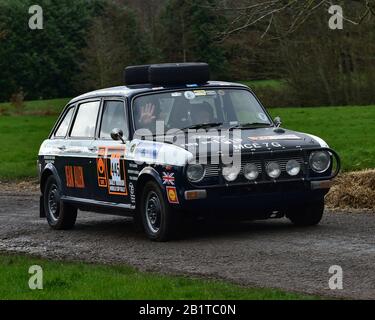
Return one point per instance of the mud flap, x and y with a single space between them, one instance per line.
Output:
42 213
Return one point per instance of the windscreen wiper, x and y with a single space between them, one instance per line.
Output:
251 125
204 126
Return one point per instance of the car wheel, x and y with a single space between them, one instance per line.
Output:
60 216
309 215
159 222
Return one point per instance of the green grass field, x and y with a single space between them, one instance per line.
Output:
20 139
349 130
38 107
274 84
78 281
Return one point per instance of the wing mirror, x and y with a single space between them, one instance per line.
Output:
278 122
117 135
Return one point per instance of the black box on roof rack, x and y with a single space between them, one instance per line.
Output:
136 75
168 74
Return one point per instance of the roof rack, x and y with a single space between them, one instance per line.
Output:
167 74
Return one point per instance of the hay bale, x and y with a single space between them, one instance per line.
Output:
353 190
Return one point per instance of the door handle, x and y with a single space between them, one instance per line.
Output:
93 149
62 148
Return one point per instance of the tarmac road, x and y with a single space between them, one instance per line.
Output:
258 254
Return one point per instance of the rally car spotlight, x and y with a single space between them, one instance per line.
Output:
251 172
320 161
273 170
231 173
195 172
293 168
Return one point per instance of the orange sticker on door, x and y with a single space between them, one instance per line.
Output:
101 165
69 177
79 180
74 177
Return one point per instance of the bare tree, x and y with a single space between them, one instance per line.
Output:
263 13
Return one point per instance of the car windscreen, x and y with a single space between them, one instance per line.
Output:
188 108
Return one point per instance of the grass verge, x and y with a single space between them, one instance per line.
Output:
78 281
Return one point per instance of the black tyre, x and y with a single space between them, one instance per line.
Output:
159 222
309 215
60 216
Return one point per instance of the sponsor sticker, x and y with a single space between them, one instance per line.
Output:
190 95
177 94
132 192
147 151
200 93
172 195
211 93
274 138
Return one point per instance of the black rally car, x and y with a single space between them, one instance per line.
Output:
172 144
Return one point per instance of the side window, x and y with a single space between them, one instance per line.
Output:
64 125
85 122
113 117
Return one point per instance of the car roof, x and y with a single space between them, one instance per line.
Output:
128 91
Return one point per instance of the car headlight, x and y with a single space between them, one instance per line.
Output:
273 170
195 172
293 168
320 161
231 173
251 172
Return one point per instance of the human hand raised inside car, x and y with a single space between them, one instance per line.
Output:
147 114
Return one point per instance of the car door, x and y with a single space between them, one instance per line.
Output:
79 153
112 183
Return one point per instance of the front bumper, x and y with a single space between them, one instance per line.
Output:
256 198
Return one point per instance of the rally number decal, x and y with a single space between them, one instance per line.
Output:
111 171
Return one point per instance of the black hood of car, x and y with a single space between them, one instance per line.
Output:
249 141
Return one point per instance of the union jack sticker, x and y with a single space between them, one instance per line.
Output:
168 179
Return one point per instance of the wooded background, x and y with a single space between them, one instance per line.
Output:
85 44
